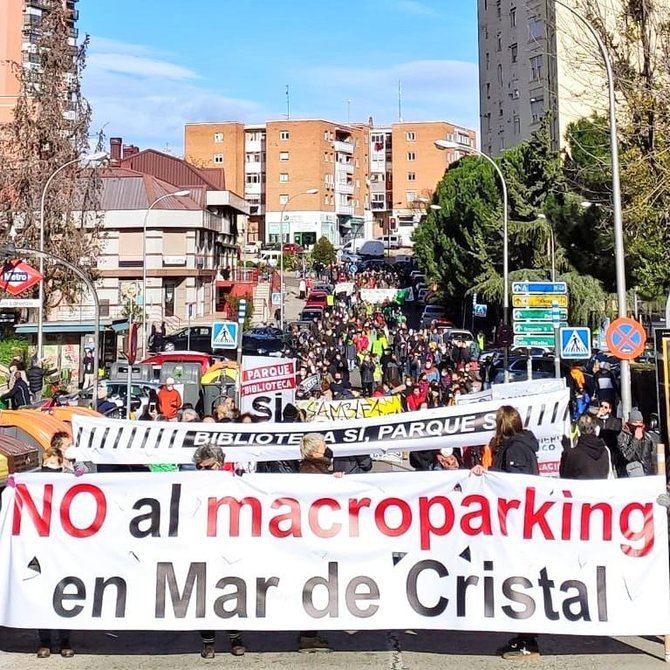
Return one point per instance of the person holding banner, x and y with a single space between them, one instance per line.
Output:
208 457
514 451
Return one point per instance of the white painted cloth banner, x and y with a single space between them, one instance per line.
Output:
440 550
268 384
380 295
346 287
323 410
101 440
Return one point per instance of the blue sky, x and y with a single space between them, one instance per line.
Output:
156 64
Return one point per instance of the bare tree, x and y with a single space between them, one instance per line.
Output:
50 127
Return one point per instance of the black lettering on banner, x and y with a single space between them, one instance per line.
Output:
352 596
153 516
99 592
238 596
59 597
546 585
411 588
197 572
581 599
331 584
262 586
462 584
517 597
175 497
601 580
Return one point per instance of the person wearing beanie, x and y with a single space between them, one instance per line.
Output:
636 448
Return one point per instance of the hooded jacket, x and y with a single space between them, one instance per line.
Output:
590 459
517 454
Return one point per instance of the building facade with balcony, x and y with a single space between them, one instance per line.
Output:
191 241
20 22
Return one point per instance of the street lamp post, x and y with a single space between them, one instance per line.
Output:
626 396
85 161
445 145
8 250
177 194
309 191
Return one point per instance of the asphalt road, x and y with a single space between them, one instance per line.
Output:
404 650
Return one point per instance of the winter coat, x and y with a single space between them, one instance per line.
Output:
367 372
517 454
590 459
351 465
18 395
632 449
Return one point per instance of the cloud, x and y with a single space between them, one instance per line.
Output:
143 95
414 7
432 90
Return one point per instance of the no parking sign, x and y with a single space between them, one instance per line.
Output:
626 338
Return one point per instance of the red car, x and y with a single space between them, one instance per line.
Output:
317 299
291 248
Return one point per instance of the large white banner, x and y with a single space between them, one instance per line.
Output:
440 550
101 440
268 385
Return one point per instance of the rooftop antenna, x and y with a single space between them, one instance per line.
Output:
399 101
288 103
348 111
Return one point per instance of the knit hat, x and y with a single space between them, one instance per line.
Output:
635 416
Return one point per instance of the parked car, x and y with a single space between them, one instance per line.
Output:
195 338
372 249
317 299
543 368
311 313
263 342
464 335
431 313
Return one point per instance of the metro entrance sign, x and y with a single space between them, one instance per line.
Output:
18 277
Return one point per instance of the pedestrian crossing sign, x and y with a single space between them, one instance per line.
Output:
224 335
575 343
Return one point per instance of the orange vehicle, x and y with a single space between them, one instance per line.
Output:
65 413
16 457
31 426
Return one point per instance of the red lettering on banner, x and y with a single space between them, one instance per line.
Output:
313 517
647 532
268 372
42 522
536 517
483 515
292 516
100 510
426 527
355 507
380 516
606 511
235 506
504 506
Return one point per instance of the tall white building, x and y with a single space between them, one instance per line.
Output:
534 58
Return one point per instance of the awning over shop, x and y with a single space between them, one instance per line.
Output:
67 327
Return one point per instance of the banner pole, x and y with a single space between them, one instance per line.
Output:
660 470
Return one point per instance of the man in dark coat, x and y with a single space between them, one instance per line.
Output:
590 458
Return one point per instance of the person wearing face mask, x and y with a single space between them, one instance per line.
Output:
169 400
636 447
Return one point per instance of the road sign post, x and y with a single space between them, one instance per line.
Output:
241 316
556 320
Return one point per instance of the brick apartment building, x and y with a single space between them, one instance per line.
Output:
369 178
19 30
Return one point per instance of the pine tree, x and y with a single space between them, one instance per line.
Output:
50 127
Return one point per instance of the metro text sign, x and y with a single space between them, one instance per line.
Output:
18 277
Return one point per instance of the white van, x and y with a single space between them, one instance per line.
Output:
391 241
352 246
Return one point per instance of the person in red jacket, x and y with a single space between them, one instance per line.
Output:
415 399
169 400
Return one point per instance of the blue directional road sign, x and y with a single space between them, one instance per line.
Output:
527 287
575 343
224 335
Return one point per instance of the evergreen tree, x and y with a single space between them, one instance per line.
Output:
324 252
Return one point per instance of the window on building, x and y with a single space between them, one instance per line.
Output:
283 199
500 75
253 178
410 136
486 5
283 177
411 156
283 155
514 51
536 109
536 28
488 90
512 17
253 157
502 143
411 176
218 158
500 109
377 139
104 307
517 125
488 122
536 68
411 196
498 9
218 137
284 135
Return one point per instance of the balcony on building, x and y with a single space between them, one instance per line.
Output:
343 146
378 205
344 166
344 210
254 167
344 187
